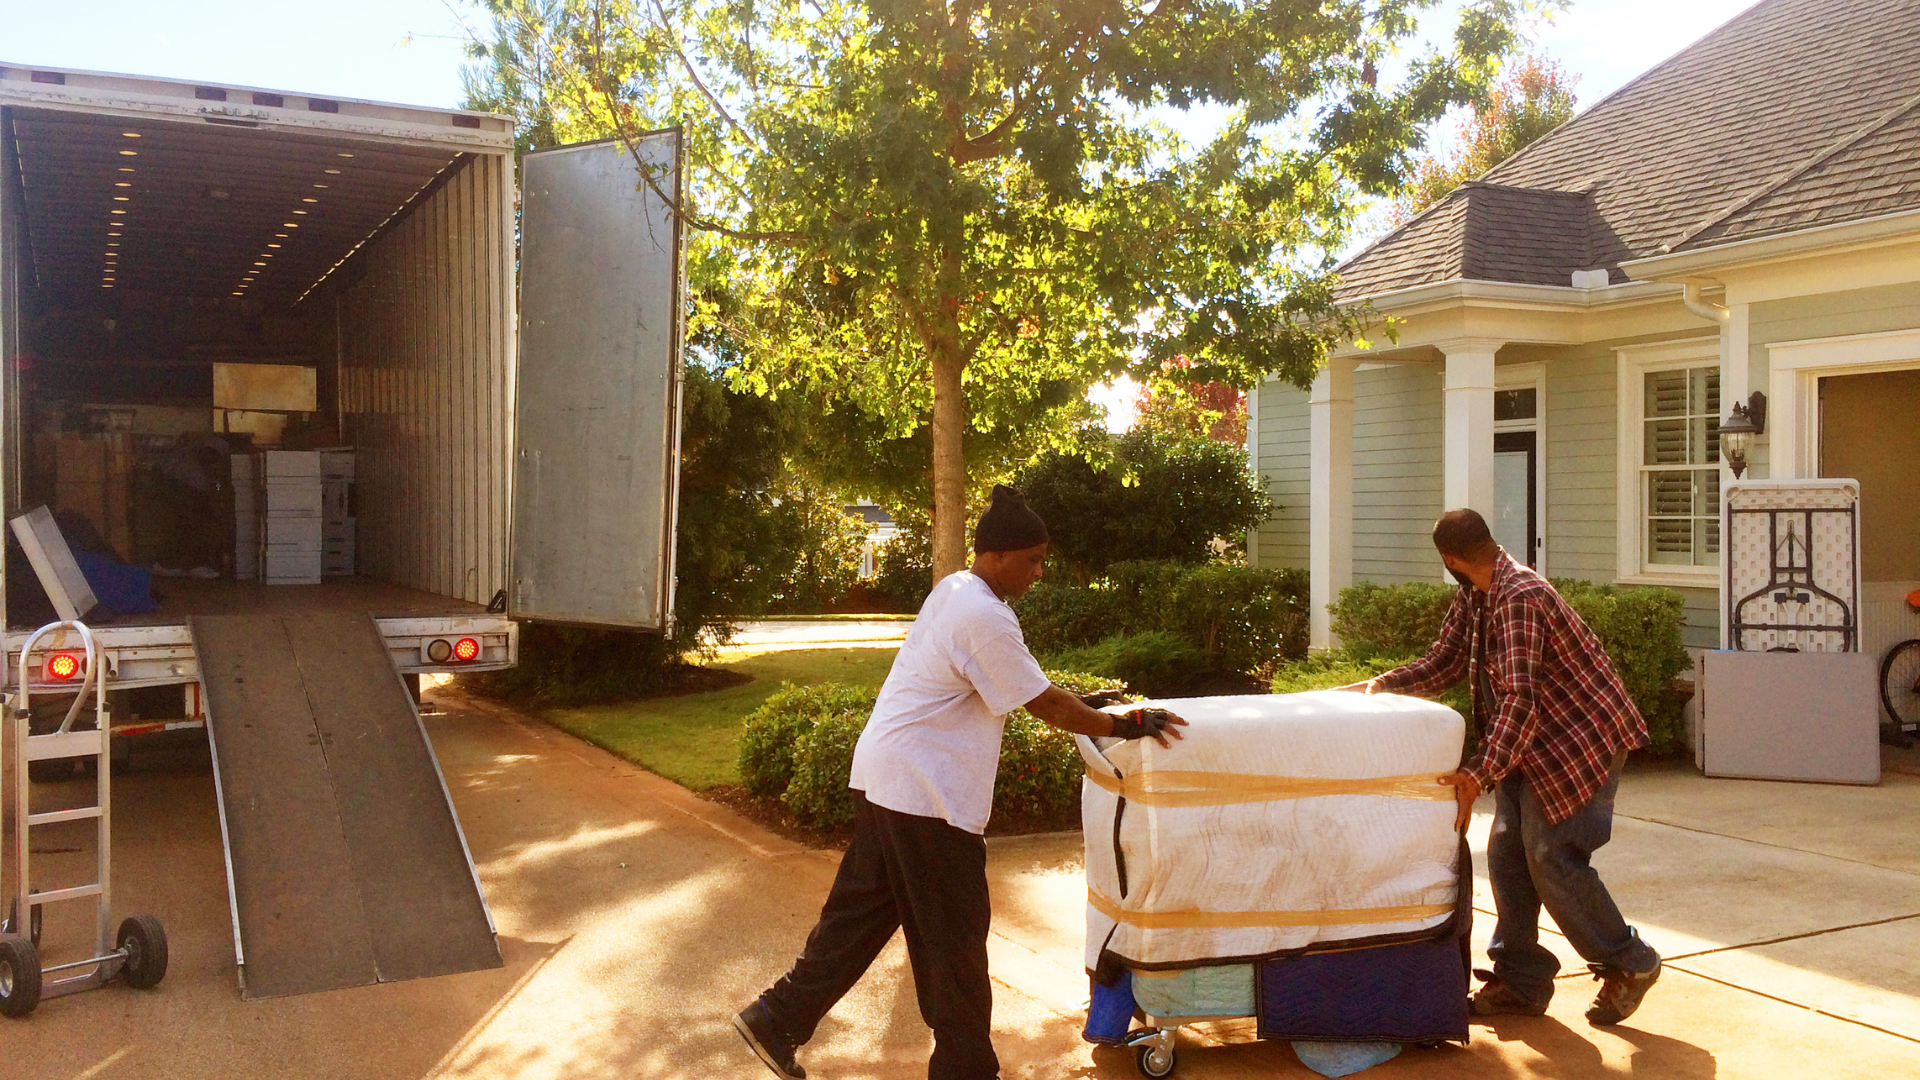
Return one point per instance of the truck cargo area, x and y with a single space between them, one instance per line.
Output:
201 290
262 357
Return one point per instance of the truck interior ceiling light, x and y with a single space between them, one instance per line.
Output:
289 224
307 199
126 168
466 649
343 153
299 211
273 245
123 183
131 134
438 650
123 198
62 666
129 153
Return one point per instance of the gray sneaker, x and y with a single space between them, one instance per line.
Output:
1621 992
755 1025
1495 998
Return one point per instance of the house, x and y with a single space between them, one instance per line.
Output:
1574 327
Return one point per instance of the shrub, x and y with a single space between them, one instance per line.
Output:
799 747
1156 662
1640 628
1236 618
1336 668
1390 620
1149 494
772 733
822 762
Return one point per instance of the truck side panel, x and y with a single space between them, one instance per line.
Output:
424 313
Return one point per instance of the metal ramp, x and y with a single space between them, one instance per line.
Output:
345 863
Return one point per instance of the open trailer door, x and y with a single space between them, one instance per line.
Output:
597 440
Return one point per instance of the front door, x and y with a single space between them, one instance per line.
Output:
1516 517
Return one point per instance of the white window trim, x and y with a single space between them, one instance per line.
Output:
1795 369
1519 377
1635 361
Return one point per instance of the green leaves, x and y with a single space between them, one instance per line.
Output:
1017 189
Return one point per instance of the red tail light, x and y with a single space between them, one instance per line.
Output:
62 666
466 650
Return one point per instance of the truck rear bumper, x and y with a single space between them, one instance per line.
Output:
162 655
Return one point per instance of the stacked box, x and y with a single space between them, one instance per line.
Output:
246 520
336 513
289 500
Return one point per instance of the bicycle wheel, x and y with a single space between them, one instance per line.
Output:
1900 684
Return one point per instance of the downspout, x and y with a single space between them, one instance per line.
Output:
1691 295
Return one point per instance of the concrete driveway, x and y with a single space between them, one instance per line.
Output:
635 917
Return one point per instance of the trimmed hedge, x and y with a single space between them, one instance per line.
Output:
1231 618
1150 661
798 747
1639 627
1336 668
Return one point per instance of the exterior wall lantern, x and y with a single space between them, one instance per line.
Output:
1737 431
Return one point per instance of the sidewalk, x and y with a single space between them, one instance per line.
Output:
636 917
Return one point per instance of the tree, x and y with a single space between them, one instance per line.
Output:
1148 494
1532 98
1174 405
950 213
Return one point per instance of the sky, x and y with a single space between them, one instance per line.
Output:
409 51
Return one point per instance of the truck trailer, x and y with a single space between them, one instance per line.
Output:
221 283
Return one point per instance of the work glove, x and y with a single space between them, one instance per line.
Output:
1140 724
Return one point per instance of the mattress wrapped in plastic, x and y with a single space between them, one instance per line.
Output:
1279 824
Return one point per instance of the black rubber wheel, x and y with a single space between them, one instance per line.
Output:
19 975
1155 1064
1900 684
145 942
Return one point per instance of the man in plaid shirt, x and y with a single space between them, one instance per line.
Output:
1555 727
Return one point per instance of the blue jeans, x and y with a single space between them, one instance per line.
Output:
1533 863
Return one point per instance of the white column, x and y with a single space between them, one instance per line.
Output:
1253 463
1330 501
1469 425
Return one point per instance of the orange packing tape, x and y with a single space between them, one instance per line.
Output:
1174 787
1240 920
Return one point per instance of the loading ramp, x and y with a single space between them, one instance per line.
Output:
346 864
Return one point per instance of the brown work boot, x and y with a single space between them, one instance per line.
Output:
1621 992
1495 998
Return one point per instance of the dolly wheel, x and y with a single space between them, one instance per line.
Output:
144 941
1155 1062
19 975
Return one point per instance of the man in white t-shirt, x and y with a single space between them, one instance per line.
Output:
923 776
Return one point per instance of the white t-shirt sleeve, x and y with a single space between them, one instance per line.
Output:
1004 673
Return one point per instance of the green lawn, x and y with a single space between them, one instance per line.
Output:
690 739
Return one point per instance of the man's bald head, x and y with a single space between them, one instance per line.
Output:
1463 534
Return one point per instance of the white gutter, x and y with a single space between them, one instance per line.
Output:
1514 294
1888 228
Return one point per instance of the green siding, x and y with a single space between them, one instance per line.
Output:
1398 482
1283 428
1582 413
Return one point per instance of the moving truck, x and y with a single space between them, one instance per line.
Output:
187 265
248 337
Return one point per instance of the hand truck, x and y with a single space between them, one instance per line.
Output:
139 951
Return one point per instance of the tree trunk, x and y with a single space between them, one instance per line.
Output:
949 460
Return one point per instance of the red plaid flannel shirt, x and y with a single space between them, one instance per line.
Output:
1558 714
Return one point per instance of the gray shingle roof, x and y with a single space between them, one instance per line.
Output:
1795 113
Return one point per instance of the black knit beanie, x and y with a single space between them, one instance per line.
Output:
1009 524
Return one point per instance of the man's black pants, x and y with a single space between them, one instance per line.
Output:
922 875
